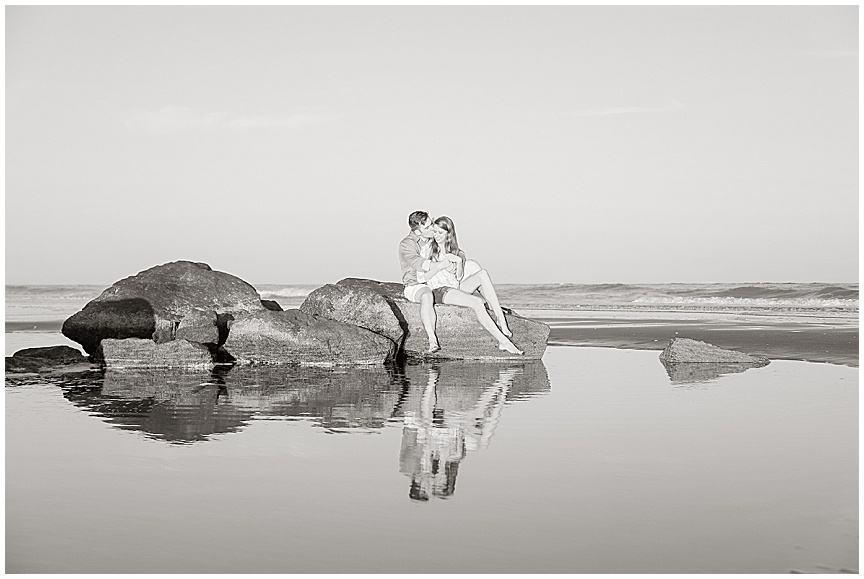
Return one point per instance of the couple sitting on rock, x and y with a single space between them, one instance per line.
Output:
435 271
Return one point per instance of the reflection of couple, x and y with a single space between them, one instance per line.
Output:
435 271
433 444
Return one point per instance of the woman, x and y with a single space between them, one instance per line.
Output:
456 286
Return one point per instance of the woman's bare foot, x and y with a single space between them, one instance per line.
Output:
502 323
433 347
509 347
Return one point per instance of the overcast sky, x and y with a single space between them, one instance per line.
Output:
582 144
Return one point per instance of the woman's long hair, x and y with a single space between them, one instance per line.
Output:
451 245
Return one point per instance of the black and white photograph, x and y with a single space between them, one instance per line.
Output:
431 289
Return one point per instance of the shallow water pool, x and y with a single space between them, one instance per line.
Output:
593 461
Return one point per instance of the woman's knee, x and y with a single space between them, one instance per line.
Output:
425 297
471 267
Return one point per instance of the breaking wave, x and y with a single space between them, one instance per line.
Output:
291 291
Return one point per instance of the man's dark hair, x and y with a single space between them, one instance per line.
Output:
417 219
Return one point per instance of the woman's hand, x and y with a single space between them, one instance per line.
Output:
438 266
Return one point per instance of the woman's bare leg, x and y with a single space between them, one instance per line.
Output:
428 318
471 267
481 280
457 297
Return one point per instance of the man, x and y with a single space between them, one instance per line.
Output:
416 267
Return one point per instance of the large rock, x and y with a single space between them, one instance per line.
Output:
295 337
358 305
357 301
151 304
685 350
49 359
144 353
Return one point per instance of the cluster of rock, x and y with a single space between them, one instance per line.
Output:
184 314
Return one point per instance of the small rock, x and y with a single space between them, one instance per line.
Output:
200 327
685 350
42 359
143 353
271 305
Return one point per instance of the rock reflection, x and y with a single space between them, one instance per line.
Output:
177 407
338 400
453 409
189 407
683 373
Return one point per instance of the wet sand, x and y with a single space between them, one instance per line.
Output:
790 337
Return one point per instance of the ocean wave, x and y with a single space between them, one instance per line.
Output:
287 292
790 291
755 294
838 292
750 301
54 292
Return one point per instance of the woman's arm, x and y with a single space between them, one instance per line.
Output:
434 268
459 260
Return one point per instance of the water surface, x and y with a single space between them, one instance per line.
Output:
594 460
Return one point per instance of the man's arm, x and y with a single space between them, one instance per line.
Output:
410 254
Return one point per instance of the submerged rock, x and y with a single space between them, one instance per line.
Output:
295 337
685 350
359 301
152 303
